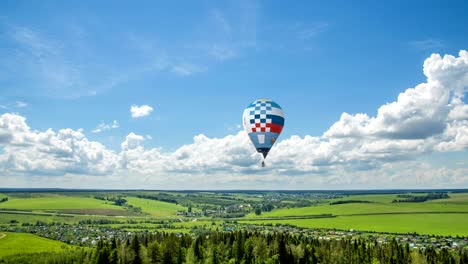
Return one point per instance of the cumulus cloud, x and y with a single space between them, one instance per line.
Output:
140 111
26 151
132 141
420 112
358 150
103 126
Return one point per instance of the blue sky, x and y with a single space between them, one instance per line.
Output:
79 64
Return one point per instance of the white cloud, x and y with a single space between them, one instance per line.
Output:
186 69
140 111
21 104
383 151
26 151
420 112
132 141
103 126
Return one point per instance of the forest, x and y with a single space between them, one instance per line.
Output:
242 247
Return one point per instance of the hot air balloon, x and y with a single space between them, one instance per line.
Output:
263 121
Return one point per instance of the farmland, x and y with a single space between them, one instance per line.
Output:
379 205
53 202
430 224
156 208
81 219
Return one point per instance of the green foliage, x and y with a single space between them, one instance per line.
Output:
242 247
420 198
349 201
83 256
258 211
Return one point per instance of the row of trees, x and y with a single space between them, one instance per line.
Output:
158 198
243 247
117 200
420 198
349 201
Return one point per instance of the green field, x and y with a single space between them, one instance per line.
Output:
56 203
458 203
20 243
28 218
156 208
431 224
64 204
377 198
439 217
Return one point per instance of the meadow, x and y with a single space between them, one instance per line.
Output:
156 208
20 243
435 217
366 212
86 204
428 224
56 202
380 204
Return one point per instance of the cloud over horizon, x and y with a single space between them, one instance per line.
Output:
357 150
140 111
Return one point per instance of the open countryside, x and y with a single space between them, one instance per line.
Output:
21 243
234 132
68 220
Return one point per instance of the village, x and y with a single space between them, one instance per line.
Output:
89 234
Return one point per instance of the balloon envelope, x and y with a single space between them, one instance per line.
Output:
263 120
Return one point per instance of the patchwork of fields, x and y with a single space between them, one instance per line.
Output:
85 205
430 224
435 217
150 211
457 203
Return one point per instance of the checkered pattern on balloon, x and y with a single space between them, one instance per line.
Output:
263 120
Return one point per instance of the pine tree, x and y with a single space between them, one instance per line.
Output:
248 248
154 252
135 248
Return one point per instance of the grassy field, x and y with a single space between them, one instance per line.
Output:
376 198
382 204
56 203
455 198
441 217
6 218
248 197
438 217
27 218
65 204
20 243
156 208
436 224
